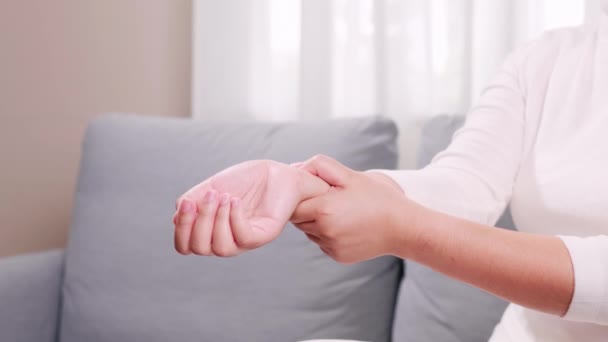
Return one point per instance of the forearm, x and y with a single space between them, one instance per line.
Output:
534 271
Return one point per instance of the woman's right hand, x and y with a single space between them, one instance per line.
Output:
241 208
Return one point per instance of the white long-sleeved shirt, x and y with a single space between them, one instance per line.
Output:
538 139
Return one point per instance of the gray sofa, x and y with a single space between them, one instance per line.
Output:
119 278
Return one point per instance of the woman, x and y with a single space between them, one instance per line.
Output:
537 139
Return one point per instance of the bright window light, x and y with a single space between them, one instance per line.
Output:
560 13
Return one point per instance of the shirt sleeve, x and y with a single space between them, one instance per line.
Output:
474 177
589 257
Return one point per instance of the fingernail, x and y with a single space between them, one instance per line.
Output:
187 206
210 196
225 199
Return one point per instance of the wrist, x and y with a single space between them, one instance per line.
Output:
412 229
381 177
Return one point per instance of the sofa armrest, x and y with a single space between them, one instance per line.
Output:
30 287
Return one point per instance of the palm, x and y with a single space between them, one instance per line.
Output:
268 190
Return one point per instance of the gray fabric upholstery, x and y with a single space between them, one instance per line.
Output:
29 296
124 281
431 306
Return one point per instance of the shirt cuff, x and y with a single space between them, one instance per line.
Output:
590 264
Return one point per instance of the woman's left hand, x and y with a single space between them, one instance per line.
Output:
365 215
359 218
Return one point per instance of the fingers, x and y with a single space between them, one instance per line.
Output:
328 169
223 243
200 242
313 238
310 231
310 185
184 220
325 250
307 227
319 242
309 210
243 233
220 227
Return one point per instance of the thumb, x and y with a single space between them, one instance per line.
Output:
330 170
310 185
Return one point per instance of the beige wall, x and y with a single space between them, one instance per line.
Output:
63 62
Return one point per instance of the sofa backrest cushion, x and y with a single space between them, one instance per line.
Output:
431 306
125 282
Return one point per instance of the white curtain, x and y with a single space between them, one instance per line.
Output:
406 59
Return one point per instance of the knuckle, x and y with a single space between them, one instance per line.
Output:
335 257
340 257
343 261
245 241
221 251
312 238
318 158
198 249
326 251
327 233
181 250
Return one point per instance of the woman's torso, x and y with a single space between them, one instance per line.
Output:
562 183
